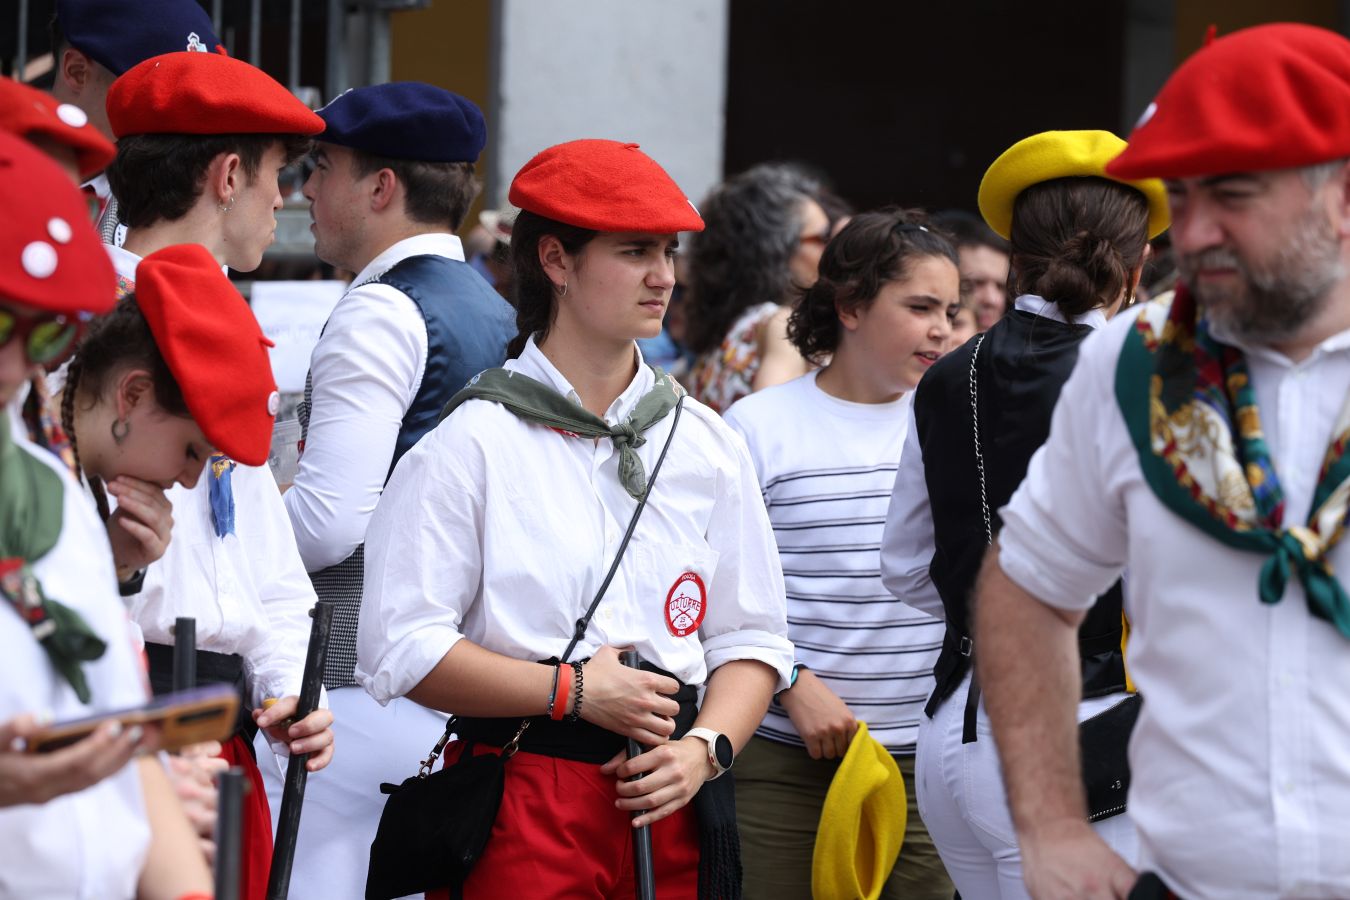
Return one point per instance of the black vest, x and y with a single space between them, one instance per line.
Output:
1023 363
468 328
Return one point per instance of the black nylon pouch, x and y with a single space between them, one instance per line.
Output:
434 828
1103 742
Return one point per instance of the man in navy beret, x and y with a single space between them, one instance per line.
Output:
95 41
393 181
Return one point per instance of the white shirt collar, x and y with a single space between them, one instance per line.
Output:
439 243
1039 306
535 364
1337 342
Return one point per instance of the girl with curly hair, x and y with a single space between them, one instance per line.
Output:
826 447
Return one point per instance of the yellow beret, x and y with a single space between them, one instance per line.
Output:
862 824
1060 154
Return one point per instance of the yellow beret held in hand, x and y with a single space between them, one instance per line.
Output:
862 824
1060 154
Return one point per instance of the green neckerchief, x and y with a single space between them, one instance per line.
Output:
1197 430
31 508
534 401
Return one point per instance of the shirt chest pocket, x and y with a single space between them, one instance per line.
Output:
674 585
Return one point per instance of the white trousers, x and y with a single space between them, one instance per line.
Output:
372 744
965 807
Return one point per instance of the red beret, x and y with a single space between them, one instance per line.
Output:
28 112
204 93
50 256
1269 97
605 186
214 347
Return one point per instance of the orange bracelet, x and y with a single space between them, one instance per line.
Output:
557 709
196 895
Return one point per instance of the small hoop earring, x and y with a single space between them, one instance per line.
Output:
120 429
227 205
562 292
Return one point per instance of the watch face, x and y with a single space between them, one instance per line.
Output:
723 751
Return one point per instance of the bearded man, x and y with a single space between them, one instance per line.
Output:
1203 442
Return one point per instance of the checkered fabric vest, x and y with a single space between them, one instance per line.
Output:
468 327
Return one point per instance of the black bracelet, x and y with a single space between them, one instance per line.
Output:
132 586
553 691
576 684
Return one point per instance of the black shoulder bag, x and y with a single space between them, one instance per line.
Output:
1103 739
436 824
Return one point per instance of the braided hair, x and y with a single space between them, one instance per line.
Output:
122 339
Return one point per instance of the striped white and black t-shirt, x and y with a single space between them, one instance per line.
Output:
827 468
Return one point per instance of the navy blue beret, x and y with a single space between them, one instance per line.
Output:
118 34
406 120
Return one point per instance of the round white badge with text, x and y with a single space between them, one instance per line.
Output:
686 604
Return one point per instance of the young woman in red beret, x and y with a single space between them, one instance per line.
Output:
87 820
497 530
177 372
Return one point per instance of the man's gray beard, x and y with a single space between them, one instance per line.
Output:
1273 305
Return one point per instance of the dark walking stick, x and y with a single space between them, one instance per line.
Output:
293 794
184 653
229 834
644 874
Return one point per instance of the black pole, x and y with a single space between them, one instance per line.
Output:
184 653
229 834
644 874
293 794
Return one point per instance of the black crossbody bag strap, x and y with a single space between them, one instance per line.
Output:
584 622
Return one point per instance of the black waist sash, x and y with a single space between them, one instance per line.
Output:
212 668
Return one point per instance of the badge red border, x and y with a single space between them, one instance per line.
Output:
702 609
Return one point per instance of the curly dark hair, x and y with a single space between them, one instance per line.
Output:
1077 241
872 249
752 227
532 293
116 341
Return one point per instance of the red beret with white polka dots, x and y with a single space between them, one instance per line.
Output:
214 347
50 255
30 113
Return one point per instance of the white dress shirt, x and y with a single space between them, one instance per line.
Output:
90 844
907 545
366 370
500 531
248 591
1241 756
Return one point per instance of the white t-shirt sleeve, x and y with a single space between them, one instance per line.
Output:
424 563
908 542
366 370
1064 531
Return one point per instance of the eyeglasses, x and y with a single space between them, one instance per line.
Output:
47 339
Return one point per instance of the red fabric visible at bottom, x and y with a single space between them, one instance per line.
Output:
256 853
559 835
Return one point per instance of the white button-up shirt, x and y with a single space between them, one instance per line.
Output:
248 591
500 531
90 844
1241 757
365 371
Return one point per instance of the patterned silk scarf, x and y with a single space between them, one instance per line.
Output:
1196 428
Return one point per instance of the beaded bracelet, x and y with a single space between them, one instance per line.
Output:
576 706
